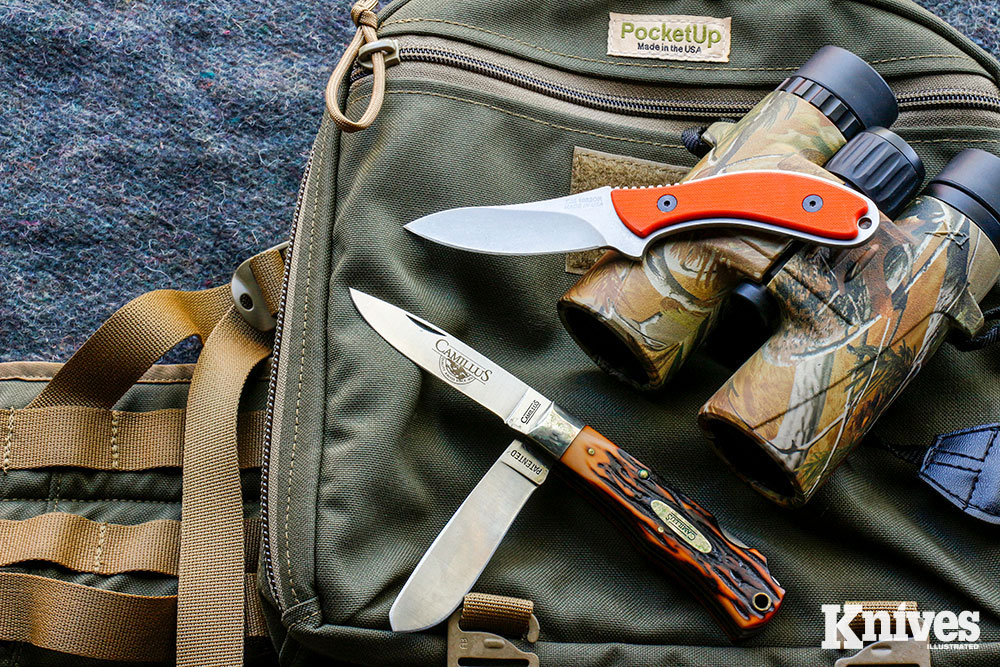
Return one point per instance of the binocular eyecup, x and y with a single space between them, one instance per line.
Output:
970 183
851 94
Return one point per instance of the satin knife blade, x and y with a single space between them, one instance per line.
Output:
730 579
453 562
628 220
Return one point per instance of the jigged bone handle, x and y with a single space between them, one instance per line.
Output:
730 579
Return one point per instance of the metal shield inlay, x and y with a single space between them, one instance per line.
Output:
681 526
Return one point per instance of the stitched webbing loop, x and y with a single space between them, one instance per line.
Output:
507 616
99 439
212 608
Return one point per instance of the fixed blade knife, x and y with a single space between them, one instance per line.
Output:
628 220
730 579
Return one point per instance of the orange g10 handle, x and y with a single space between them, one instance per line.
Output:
785 200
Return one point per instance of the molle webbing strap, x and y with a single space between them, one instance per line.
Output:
100 439
83 545
74 413
44 371
135 627
251 543
253 614
210 610
98 623
86 621
129 342
510 617
268 270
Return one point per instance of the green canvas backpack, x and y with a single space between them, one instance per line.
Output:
368 457
342 460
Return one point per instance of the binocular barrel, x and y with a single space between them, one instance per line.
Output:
640 321
851 327
855 330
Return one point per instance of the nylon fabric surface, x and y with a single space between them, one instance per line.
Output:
398 450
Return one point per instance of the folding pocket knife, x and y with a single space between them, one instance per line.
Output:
729 578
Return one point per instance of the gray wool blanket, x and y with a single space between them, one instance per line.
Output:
146 145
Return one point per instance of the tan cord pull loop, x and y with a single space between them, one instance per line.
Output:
365 19
510 617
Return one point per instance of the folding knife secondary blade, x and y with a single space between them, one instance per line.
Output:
628 220
460 552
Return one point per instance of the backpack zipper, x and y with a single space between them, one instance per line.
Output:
272 385
637 106
960 98
631 106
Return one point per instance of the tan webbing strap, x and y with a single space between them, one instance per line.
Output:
251 543
253 613
211 585
129 342
209 608
69 435
268 270
366 21
510 617
86 621
873 606
89 546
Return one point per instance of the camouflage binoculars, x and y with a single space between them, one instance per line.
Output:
847 329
